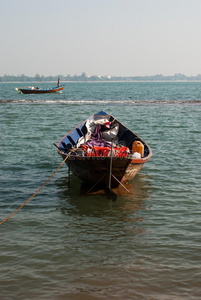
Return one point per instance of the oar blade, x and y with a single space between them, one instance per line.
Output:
111 195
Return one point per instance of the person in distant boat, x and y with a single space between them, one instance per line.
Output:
58 83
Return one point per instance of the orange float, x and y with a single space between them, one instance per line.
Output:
137 146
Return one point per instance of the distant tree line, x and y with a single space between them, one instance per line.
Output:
84 77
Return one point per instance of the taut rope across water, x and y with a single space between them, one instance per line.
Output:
36 191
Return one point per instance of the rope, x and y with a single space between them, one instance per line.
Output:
36 191
120 183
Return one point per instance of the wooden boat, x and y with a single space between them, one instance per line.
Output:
99 165
33 90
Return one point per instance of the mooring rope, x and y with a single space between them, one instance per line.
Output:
36 191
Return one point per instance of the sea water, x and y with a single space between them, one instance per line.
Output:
63 245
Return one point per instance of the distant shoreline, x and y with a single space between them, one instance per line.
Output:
178 77
103 81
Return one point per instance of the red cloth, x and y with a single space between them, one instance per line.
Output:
105 151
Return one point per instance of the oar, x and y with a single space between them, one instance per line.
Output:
57 146
111 195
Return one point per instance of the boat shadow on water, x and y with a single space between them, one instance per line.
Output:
74 198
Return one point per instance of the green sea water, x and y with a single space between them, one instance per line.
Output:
63 245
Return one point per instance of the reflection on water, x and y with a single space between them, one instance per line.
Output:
139 191
123 215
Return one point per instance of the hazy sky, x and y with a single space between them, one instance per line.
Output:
100 37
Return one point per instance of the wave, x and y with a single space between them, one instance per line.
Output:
129 102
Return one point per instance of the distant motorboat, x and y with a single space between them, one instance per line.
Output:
37 90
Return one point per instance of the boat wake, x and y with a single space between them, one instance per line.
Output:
120 102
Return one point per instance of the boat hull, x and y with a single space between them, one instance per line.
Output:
95 170
41 91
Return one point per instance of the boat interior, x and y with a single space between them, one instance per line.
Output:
125 136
